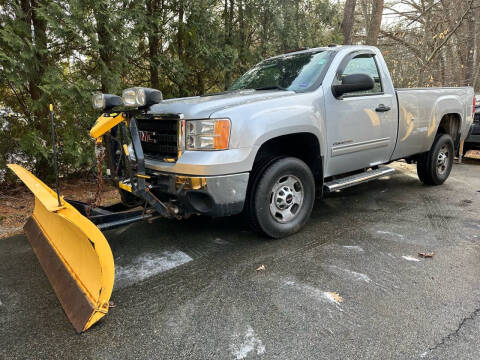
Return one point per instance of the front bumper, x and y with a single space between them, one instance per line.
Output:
211 195
171 194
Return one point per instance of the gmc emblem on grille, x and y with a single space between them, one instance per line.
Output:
147 136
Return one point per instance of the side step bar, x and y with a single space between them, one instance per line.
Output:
356 179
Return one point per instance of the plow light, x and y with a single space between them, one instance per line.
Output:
106 101
140 97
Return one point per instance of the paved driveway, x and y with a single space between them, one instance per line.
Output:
349 286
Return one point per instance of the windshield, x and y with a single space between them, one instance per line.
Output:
295 72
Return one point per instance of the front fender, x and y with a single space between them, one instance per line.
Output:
256 123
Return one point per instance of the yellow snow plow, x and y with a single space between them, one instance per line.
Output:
66 235
73 253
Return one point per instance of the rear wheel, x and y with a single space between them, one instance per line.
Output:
281 198
434 167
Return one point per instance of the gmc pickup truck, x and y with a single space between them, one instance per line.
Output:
289 129
294 126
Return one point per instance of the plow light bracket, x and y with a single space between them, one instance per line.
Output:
104 123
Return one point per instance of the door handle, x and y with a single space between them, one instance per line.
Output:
382 108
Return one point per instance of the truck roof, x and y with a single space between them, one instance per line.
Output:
333 47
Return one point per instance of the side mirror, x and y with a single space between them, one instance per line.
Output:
354 82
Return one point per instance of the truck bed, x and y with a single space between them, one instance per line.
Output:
421 111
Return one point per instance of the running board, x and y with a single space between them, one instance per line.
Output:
356 179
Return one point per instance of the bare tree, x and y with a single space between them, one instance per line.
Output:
348 20
432 43
470 50
374 22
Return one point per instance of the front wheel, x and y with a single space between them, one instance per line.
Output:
282 198
434 167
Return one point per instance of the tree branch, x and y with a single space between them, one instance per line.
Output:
449 35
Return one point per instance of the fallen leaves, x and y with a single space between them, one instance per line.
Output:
335 296
473 154
426 254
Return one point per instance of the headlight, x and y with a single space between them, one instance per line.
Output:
211 134
141 96
106 101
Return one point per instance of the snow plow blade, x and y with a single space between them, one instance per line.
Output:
73 253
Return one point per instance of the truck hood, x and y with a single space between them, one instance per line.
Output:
201 107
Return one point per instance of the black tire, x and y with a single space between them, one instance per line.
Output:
430 169
255 176
278 174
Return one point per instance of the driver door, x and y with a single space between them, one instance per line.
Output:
361 125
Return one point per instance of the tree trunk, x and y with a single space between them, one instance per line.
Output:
105 50
228 17
181 13
476 66
242 34
40 110
265 29
39 27
348 21
375 22
153 42
470 47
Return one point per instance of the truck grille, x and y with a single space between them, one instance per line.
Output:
159 138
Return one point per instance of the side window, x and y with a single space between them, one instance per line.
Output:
362 64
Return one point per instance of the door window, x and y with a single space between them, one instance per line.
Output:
362 64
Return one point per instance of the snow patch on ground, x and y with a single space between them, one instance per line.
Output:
250 343
148 265
220 241
424 354
313 292
350 273
409 258
331 297
390 233
354 247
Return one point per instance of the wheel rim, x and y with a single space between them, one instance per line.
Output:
443 160
286 198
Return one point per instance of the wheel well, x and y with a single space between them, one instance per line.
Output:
304 146
450 124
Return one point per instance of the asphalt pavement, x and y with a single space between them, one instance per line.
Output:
350 285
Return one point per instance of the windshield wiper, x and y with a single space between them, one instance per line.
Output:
272 87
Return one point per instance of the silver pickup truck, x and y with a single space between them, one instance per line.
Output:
289 129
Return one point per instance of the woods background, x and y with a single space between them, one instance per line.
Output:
62 52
